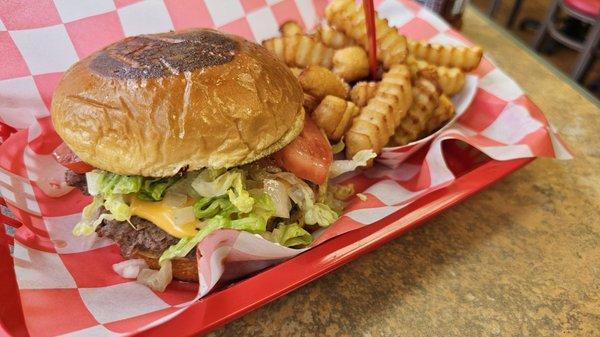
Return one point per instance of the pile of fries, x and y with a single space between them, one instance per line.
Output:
411 100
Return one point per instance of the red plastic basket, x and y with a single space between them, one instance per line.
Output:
474 172
11 315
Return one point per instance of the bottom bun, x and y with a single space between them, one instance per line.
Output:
184 269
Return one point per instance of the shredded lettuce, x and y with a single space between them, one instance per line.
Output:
320 214
206 207
299 191
338 147
108 190
256 221
250 223
219 211
290 235
157 280
154 189
184 185
239 197
117 207
118 210
94 181
314 212
123 185
88 223
105 183
361 158
264 207
226 199
185 245
278 192
210 184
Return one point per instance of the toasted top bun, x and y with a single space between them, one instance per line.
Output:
151 105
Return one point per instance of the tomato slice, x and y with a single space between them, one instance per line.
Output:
67 158
309 156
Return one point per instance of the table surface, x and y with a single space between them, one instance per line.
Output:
520 258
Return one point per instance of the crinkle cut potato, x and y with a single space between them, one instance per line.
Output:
410 102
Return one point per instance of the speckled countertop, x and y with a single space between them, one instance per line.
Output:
521 258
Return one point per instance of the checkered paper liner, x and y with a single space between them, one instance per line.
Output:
66 283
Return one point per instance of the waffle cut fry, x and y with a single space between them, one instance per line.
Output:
442 114
425 101
449 80
465 58
376 123
333 38
351 63
320 82
290 28
420 68
362 92
349 18
300 51
334 115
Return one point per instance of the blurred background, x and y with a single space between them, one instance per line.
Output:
563 32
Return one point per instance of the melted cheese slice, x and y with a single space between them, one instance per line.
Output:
162 215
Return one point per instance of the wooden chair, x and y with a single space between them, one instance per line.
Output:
587 11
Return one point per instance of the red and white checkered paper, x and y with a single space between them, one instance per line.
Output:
66 283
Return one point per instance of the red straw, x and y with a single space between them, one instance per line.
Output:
370 21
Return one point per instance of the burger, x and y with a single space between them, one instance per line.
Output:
179 134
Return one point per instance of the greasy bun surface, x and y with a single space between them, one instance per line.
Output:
151 105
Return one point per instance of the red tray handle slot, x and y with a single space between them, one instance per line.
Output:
12 322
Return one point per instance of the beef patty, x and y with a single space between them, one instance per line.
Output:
141 234
76 180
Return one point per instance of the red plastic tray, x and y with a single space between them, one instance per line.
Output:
474 173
